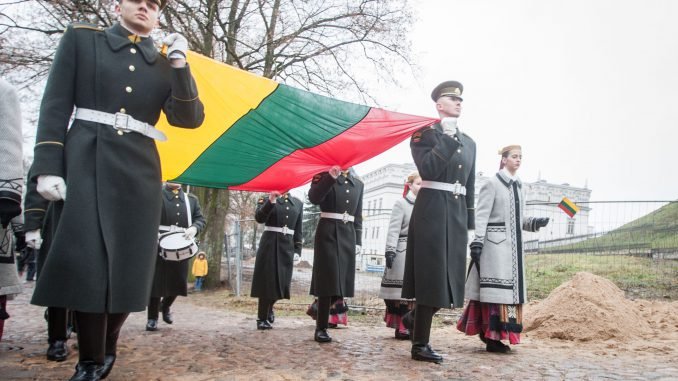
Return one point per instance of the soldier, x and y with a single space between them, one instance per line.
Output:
40 220
282 216
106 242
169 280
435 262
337 240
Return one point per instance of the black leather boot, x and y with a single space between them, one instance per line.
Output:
57 350
87 371
322 336
109 361
424 352
152 325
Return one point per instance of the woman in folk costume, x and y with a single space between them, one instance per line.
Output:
496 285
396 245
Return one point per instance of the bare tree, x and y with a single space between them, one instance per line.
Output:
328 46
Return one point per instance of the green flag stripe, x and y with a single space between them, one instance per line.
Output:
288 119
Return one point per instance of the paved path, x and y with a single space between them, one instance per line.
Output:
207 342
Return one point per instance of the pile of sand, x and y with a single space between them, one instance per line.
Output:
591 308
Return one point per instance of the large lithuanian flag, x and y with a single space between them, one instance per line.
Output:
260 135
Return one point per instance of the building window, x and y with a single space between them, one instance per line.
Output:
365 235
377 232
373 229
570 227
369 205
380 200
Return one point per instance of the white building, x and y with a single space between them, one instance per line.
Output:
385 185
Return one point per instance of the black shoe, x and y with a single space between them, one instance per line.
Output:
167 316
271 316
497 346
321 336
87 371
57 351
331 325
263 324
408 320
109 360
402 335
424 352
152 325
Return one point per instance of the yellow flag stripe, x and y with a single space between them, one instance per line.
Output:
227 93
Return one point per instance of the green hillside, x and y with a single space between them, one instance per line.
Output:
657 230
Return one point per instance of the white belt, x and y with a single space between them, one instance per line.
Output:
121 122
283 229
170 228
455 188
338 216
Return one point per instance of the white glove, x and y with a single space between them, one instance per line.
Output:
177 45
358 249
335 171
52 188
34 239
449 126
190 232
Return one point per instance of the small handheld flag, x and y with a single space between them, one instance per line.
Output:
568 207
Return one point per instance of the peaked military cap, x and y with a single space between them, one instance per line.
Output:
161 3
447 88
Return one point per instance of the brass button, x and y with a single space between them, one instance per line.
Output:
458 150
177 205
459 165
177 196
120 132
133 51
347 201
456 196
288 208
131 68
122 110
178 214
128 89
348 191
287 216
176 223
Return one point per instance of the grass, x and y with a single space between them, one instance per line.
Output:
639 277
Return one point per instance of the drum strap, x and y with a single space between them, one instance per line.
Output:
188 210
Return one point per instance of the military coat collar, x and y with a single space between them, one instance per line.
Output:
169 195
282 199
506 180
117 37
342 179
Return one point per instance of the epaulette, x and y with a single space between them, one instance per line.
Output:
317 178
261 200
83 25
416 137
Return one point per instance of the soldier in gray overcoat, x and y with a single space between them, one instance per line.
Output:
496 286
283 217
443 212
104 249
169 279
338 235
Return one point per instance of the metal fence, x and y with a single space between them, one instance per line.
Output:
632 243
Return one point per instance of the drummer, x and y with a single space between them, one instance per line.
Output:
181 211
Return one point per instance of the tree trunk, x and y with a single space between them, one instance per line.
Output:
214 204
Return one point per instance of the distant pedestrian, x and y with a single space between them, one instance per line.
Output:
396 246
496 285
199 270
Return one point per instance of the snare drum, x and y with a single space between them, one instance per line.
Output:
174 247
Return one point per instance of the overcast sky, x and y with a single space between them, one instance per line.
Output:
588 88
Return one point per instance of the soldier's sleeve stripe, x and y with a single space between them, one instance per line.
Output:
48 142
435 152
34 210
185 100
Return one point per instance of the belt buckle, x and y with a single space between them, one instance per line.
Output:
345 217
285 230
121 122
